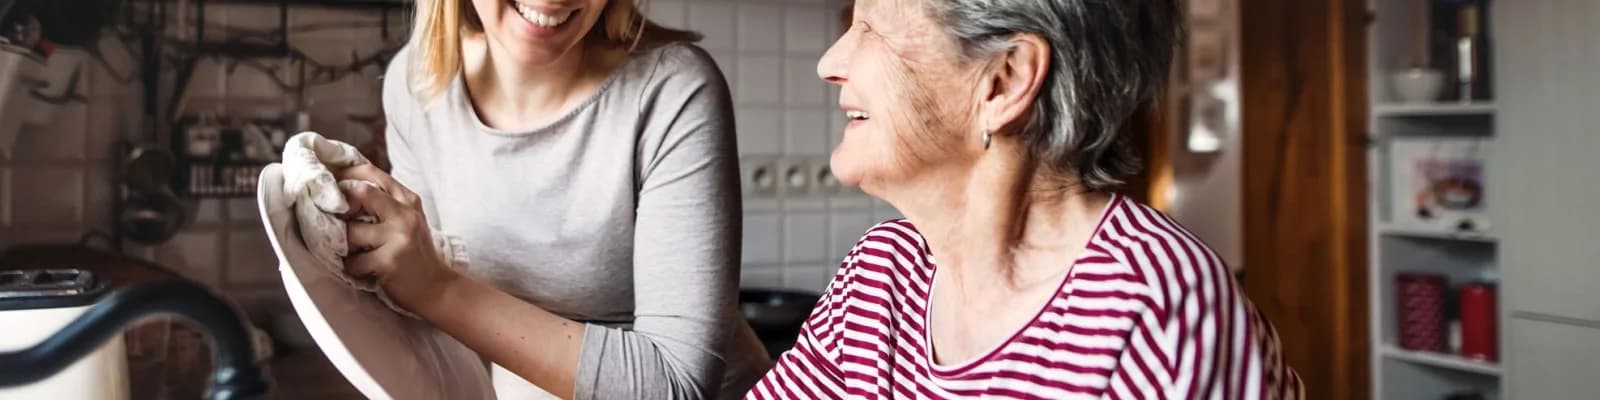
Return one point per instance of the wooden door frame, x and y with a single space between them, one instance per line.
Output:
1303 82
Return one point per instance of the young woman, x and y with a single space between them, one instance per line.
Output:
586 158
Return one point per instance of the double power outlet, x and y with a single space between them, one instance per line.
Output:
789 176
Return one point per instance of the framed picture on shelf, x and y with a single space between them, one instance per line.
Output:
1439 183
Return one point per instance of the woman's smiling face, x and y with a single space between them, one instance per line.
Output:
537 32
905 92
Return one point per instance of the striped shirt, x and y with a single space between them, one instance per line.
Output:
1146 311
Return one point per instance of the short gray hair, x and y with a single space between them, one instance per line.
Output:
1107 58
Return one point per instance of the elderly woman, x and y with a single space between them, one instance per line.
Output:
992 126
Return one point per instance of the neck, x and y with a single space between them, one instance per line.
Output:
999 225
510 90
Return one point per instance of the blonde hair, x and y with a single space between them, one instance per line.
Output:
436 37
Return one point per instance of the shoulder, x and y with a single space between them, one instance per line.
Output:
888 244
397 94
677 72
682 60
863 296
1170 261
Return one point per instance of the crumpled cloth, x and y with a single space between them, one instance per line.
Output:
320 207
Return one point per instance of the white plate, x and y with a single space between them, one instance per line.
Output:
383 354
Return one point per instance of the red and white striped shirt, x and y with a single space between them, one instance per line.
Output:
1147 311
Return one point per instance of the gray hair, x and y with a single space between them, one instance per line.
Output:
1107 57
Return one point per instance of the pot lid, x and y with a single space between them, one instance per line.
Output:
383 354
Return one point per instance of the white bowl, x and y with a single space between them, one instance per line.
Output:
1418 85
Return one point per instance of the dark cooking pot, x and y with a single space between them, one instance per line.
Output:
776 315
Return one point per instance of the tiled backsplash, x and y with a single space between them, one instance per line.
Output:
786 115
59 181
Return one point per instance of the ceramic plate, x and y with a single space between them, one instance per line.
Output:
383 354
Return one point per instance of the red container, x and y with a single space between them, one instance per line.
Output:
1420 311
1479 336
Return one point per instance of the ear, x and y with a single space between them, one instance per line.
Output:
1013 83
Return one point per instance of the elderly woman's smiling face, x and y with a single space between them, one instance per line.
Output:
908 97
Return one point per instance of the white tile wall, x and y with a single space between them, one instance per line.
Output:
801 87
760 130
763 239
769 50
806 29
806 133
669 13
715 21
761 277
760 80
758 27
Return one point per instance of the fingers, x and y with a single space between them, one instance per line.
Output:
366 266
370 173
366 198
364 237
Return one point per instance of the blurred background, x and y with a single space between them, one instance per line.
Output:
1396 182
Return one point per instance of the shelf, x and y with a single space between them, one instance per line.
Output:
1441 360
1433 109
1428 232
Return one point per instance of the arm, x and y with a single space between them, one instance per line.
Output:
685 247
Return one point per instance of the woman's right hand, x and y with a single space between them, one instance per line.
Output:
397 249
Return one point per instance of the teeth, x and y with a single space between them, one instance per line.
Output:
541 19
856 115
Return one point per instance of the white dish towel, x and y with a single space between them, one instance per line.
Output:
319 207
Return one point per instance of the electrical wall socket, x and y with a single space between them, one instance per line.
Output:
759 176
794 177
822 180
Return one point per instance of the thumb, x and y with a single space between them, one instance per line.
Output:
336 154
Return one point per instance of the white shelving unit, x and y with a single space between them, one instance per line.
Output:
1428 232
1432 109
1441 360
1397 246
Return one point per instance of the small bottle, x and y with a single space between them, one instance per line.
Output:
1468 70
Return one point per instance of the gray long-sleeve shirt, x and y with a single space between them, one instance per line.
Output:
624 214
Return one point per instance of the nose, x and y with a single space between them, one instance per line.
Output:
834 63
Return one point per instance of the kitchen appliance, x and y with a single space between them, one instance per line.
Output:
34 304
48 368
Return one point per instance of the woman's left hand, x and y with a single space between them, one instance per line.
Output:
398 249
